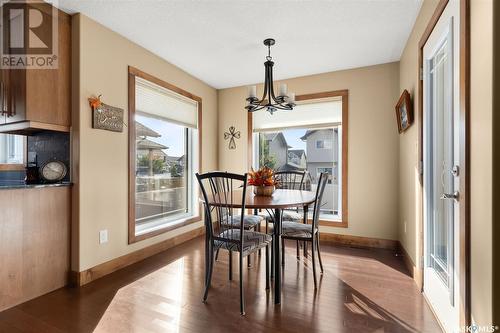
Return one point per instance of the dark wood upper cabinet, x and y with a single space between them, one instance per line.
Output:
39 99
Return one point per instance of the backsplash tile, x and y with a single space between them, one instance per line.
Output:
50 146
46 146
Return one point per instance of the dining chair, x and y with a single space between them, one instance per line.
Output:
307 232
291 180
221 192
250 222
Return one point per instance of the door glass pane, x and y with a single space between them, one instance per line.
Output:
440 255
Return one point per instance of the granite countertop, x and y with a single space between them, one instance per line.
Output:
7 185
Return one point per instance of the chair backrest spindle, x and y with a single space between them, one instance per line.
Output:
290 180
322 181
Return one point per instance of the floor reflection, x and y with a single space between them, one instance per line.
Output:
361 291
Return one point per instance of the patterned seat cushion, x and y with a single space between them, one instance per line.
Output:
251 240
288 215
294 229
249 221
291 215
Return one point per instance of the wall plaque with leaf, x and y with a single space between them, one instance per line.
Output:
106 117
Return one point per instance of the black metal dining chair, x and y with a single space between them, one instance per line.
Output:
221 192
291 180
307 232
250 222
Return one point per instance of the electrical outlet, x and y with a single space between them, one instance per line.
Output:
103 236
405 226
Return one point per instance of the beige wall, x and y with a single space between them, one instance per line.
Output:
481 154
481 160
100 177
373 142
409 186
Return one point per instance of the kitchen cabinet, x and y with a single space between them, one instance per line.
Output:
34 99
34 242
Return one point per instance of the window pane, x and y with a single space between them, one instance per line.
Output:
314 150
161 171
11 149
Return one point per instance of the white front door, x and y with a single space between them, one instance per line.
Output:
441 166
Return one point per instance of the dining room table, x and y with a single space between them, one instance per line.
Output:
281 199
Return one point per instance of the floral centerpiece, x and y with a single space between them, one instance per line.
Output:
262 180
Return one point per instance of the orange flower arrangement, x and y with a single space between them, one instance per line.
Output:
262 177
95 102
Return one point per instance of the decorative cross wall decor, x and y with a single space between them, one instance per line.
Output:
231 135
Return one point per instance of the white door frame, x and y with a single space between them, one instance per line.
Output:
463 271
442 299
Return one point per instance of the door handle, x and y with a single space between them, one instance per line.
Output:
455 196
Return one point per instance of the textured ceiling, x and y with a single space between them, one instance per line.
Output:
220 41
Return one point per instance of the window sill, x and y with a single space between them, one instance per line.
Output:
161 230
331 223
12 167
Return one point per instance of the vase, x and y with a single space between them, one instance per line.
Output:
265 191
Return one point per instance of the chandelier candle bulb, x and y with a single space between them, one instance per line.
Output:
283 89
252 91
291 98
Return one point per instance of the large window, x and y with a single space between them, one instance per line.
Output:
12 149
165 147
310 138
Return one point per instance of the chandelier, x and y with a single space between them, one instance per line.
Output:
269 100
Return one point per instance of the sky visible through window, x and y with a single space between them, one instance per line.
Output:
172 134
293 136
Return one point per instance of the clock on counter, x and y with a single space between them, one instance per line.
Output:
53 171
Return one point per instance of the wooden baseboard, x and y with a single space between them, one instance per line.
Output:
416 273
358 241
81 278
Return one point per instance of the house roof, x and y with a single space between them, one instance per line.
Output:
172 158
309 132
270 136
148 144
273 136
298 152
141 130
290 167
175 158
305 136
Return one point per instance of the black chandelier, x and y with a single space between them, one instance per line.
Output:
270 101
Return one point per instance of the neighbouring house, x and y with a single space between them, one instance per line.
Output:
277 148
148 151
172 160
175 165
322 156
297 158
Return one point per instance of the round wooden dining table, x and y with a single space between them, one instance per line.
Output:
280 200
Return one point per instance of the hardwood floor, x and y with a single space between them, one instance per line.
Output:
362 290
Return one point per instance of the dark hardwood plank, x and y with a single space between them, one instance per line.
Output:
365 290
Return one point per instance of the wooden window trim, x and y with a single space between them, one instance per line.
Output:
17 166
464 138
12 167
344 94
132 74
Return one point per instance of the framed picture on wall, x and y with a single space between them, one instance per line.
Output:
404 112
